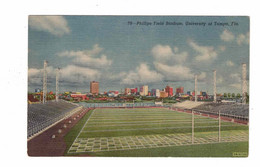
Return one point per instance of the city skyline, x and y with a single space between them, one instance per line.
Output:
118 55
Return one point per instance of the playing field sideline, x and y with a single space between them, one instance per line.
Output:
125 129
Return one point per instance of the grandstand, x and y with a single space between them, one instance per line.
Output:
188 104
233 110
42 116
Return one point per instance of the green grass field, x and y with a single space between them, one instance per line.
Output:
154 132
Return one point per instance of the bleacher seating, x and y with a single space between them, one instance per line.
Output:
234 110
231 109
41 116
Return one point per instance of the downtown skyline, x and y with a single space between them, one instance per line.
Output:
109 50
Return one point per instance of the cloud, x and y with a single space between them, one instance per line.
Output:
229 63
236 85
72 73
68 74
227 36
235 77
88 58
143 75
56 25
205 53
164 54
175 73
243 39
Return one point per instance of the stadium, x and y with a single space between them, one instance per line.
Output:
188 128
118 86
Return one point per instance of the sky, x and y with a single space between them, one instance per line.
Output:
131 51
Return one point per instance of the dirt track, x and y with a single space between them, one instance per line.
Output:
45 145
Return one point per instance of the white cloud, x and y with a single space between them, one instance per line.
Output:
235 78
72 73
229 63
68 74
227 36
202 76
206 53
88 58
236 85
164 54
56 25
176 72
243 39
142 74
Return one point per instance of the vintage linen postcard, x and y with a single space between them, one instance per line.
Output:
138 86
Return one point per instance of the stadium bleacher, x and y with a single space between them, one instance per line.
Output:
234 110
227 109
41 116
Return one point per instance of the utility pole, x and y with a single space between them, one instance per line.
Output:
57 83
192 126
244 86
195 88
44 90
219 126
215 86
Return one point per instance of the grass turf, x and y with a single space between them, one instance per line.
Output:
132 122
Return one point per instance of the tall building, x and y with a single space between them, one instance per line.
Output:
94 87
133 90
144 90
169 90
179 90
153 92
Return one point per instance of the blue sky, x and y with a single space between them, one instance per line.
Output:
118 55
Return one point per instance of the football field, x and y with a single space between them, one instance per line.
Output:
114 129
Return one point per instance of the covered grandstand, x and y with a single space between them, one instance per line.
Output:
42 116
232 110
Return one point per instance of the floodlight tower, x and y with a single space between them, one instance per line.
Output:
244 86
215 86
44 90
57 83
195 93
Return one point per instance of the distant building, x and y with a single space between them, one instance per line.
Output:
79 97
144 90
113 93
157 93
169 90
179 90
37 90
163 94
127 91
133 90
153 92
94 87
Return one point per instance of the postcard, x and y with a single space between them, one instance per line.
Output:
138 86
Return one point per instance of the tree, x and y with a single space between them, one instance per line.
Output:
238 95
229 95
233 95
225 94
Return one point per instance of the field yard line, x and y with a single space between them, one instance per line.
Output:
81 129
147 128
184 122
111 130
162 120
101 120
